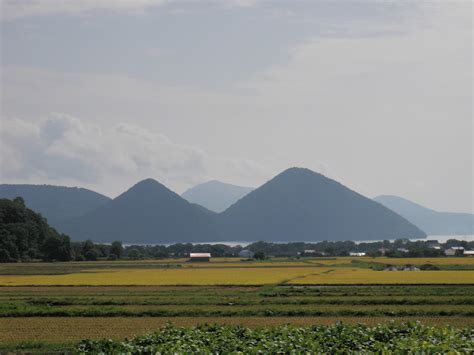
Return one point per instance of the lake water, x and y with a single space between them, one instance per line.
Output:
439 238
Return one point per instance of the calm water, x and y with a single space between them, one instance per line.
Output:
439 238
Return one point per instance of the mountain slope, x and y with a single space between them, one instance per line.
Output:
56 203
301 205
432 222
215 195
146 213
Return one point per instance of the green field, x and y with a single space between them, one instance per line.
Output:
55 316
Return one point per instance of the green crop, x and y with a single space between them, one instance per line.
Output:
335 339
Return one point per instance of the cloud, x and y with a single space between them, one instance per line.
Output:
17 9
65 150
14 9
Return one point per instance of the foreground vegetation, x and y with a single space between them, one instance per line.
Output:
327 339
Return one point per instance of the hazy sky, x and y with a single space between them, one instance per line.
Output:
103 93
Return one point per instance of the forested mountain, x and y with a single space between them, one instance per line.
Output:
301 205
432 222
25 235
55 203
215 195
147 213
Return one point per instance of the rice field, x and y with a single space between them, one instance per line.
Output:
240 276
51 306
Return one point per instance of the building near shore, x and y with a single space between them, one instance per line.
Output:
200 257
246 253
356 254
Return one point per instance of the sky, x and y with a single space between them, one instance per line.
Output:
104 93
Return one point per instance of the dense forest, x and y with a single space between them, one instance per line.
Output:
25 235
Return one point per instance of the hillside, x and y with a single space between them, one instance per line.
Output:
215 195
301 205
55 203
25 235
432 222
146 213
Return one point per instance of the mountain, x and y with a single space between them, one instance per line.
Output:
301 205
432 222
56 203
146 213
215 195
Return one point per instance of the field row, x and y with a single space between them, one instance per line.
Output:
269 301
37 331
61 268
244 311
241 276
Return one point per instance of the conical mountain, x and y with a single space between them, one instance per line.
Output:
146 213
301 205
215 195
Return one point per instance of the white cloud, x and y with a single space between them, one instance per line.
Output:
17 9
14 9
65 150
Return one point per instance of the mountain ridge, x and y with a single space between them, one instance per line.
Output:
431 221
55 203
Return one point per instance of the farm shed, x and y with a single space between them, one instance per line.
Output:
200 257
454 251
246 253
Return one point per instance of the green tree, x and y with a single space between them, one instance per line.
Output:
91 255
134 254
57 248
116 249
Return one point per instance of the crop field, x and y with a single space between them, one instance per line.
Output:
233 271
51 306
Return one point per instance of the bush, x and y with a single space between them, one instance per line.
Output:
338 338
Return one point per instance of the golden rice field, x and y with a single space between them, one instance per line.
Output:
240 276
343 276
197 276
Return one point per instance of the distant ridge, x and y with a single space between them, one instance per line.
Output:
301 205
432 222
56 203
296 205
215 195
146 213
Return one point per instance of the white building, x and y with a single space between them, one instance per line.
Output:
200 256
454 251
356 254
